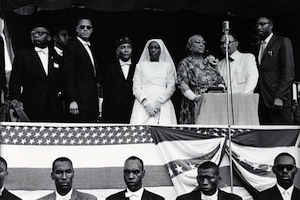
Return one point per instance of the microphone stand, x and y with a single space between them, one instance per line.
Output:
229 105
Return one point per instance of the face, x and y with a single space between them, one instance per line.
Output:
84 29
62 38
285 170
154 51
40 37
124 52
208 181
3 173
232 46
263 27
62 175
197 45
133 174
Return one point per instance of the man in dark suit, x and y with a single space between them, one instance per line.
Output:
208 179
35 79
276 74
63 174
2 72
80 75
117 89
4 193
285 170
133 174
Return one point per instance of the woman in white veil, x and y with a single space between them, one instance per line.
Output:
153 85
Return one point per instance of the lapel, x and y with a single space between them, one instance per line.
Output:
74 195
270 44
119 70
131 72
295 194
38 61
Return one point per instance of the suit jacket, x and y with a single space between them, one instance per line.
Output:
276 71
196 195
117 94
244 73
273 193
6 195
2 67
80 81
76 195
146 196
40 95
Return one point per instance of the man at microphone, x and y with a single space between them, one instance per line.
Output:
133 174
243 69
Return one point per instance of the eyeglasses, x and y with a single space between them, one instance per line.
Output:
261 24
83 27
40 33
282 167
65 35
222 43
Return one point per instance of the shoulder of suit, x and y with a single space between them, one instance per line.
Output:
84 194
232 196
155 196
117 195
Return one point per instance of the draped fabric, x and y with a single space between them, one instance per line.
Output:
247 9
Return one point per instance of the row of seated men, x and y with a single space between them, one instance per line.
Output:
65 83
133 173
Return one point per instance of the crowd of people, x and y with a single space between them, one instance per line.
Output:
66 83
133 173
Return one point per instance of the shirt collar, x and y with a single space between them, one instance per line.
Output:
138 193
83 42
67 196
214 196
289 190
128 62
44 50
1 190
234 55
267 40
58 50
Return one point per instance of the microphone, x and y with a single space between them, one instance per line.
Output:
225 27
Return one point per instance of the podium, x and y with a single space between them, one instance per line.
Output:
212 110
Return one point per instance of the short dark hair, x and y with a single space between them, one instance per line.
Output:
270 19
135 158
83 18
61 159
282 155
209 165
234 35
4 161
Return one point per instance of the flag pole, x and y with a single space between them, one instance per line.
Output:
229 99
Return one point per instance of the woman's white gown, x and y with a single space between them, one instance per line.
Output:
154 80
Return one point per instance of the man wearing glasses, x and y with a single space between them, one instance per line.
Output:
244 73
285 170
276 74
35 80
80 75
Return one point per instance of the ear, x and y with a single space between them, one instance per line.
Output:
48 38
52 176
219 179
5 175
143 173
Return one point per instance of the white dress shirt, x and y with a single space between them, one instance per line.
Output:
66 197
244 73
44 56
286 194
1 190
58 51
125 67
137 195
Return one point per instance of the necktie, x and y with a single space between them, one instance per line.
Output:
62 198
286 195
261 51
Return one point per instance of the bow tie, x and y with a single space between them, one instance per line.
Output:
38 49
62 198
231 59
130 194
125 63
87 43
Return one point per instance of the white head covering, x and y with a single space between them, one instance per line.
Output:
164 53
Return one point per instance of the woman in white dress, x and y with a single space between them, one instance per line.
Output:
153 85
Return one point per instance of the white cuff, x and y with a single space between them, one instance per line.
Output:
190 95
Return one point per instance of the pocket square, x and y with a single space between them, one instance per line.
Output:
270 53
55 65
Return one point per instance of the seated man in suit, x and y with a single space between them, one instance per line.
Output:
133 174
208 179
4 193
63 174
285 170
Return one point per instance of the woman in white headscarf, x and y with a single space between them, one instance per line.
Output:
153 85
